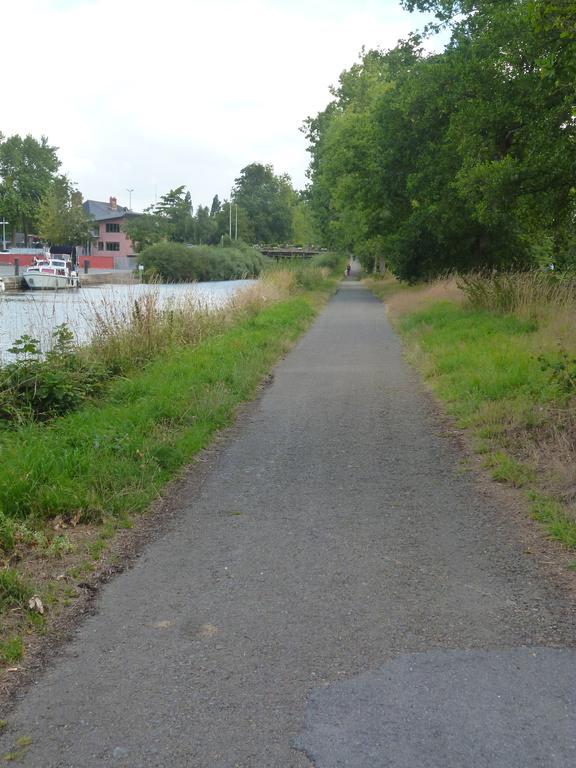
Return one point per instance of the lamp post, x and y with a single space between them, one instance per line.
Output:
129 198
3 234
230 216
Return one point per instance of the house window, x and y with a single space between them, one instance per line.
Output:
112 246
113 228
100 246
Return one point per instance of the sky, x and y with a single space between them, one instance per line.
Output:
149 95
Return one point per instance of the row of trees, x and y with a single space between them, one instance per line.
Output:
458 160
264 208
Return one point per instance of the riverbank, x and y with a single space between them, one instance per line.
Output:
67 487
500 354
95 277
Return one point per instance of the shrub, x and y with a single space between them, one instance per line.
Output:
37 388
175 262
330 259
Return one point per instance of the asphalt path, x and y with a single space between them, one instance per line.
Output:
336 592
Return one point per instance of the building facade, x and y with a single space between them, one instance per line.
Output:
110 247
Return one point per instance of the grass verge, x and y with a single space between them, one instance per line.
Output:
502 359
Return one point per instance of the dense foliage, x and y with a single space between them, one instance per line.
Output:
175 262
459 160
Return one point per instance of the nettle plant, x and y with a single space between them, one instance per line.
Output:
37 387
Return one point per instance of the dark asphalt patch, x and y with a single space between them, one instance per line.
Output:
450 709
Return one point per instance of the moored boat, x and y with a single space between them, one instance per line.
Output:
51 271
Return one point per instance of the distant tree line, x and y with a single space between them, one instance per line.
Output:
264 208
463 159
37 199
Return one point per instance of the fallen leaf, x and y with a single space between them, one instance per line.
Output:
35 604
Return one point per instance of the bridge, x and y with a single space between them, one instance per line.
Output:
288 251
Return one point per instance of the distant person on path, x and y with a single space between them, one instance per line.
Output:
348 269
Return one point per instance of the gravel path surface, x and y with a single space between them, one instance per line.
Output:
337 590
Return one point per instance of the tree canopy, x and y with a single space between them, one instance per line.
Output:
61 218
457 160
28 168
267 200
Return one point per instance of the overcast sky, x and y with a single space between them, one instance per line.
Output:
153 94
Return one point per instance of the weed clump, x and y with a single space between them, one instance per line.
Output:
14 592
11 650
36 388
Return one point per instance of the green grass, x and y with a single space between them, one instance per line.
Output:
12 650
486 366
476 357
551 513
112 458
14 592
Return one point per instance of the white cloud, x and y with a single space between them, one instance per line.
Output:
155 94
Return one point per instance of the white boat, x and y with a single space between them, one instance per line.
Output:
51 271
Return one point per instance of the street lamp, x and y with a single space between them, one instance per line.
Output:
4 234
230 215
129 198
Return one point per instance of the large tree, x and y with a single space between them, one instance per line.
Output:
168 219
175 209
267 200
28 167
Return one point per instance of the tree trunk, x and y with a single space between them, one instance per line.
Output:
378 265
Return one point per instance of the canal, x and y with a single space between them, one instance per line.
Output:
37 313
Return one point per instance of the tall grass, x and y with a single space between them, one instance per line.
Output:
185 368
526 293
113 457
126 337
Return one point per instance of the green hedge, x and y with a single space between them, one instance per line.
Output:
176 262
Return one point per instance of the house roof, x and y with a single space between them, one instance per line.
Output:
103 211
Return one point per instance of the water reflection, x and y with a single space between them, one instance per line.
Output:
37 313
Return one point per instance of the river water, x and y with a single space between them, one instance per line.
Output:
37 313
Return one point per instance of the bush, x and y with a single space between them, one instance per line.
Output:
38 388
176 263
331 260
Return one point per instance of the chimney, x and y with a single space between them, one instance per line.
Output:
113 203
